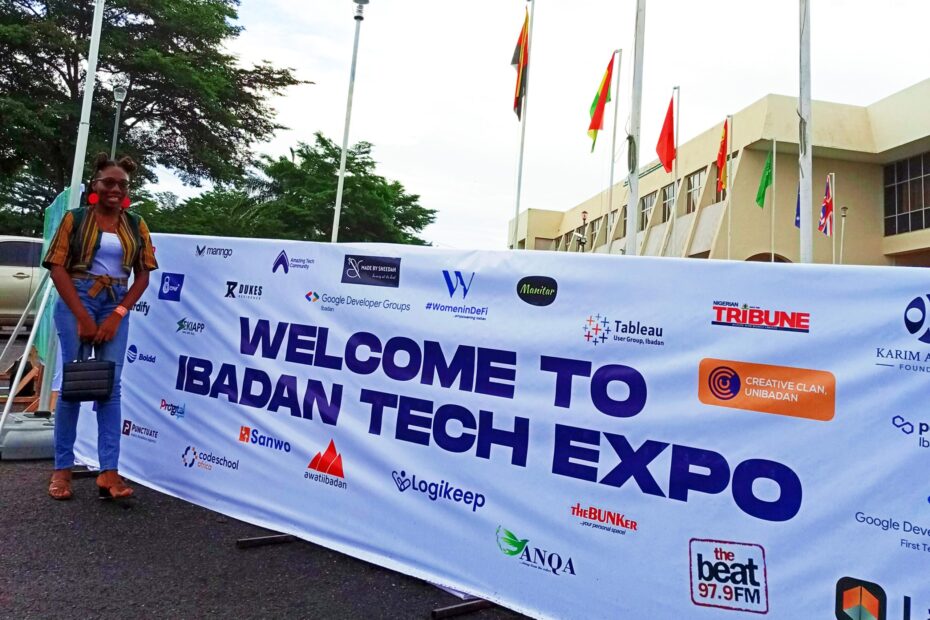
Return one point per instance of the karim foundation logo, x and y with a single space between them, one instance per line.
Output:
326 468
860 600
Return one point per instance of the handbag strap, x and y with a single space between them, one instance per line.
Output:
85 346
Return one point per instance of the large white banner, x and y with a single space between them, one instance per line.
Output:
572 436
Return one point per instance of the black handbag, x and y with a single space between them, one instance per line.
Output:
87 378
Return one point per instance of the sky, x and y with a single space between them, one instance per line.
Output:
434 85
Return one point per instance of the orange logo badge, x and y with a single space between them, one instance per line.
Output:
781 390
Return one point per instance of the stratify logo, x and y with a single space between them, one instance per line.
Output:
281 262
728 575
733 314
917 318
455 280
860 600
256 437
723 383
328 468
534 557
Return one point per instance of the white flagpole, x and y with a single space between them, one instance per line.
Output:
805 159
632 209
833 214
524 103
613 152
774 182
729 187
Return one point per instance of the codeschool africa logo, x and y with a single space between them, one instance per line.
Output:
533 557
206 460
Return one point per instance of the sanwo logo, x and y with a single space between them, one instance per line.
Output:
533 557
917 318
438 490
456 282
255 436
724 383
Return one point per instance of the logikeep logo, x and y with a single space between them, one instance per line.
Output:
729 575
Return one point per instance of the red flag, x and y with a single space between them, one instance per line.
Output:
722 159
666 146
520 62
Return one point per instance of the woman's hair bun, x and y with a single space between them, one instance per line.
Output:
127 164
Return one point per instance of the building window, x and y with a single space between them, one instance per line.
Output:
622 223
668 201
645 209
695 183
611 218
907 203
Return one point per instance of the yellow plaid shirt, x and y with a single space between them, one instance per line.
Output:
75 250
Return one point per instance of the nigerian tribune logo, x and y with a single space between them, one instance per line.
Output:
326 468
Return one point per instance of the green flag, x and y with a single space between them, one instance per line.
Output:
765 182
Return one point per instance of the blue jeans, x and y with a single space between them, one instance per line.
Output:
108 411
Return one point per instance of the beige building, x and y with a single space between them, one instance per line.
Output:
880 155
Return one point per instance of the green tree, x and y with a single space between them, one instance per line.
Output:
191 107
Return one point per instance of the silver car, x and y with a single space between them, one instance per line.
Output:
20 274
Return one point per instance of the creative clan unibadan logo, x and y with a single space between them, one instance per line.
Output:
733 314
860 600
597 330
729 575
533 557
203 250
917 318
171 285
285 263
438 490
780 390
537 290
326 468
371 270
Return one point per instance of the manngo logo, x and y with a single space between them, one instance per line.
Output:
438 490
733 314
533 557
729 575
203 250
326 468
256 437
860 600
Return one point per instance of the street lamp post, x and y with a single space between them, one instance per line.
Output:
119 96
584 232
842 231
359 16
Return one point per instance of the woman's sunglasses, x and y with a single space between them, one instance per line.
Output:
110 183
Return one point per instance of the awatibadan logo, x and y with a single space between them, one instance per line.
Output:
191 457
438 490
533 557
326 468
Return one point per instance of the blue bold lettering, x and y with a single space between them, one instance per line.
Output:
315 397
789 500
285 395
682 479
462 366
517 439
322 359
249 343
444 440
633 403
226 383
392 369
407 419
488 371
378 401
250 377
565 370
565 451
300 343
197 377
634 464
368 365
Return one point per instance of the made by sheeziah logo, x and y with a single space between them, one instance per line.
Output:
371 270
140 432
539 558
171 285
438 490
285 263
729 575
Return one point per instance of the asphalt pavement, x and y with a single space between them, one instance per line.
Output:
165 558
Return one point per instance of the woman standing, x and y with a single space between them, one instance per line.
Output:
90 258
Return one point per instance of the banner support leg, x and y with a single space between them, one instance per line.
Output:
467 606
264 541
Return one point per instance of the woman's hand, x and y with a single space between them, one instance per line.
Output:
108 328
87 329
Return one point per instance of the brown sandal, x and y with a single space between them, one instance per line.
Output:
112 486
60 485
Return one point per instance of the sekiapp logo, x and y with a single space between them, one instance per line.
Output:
132 354
860 600
729 575
537 290
171 285
175 411
207 461
256 437
780 390
733 314
285 263
139 432
601 519
326 468
243 290
597 329
371 270
141 307
533 557
438 490
191 328
203 250
459 283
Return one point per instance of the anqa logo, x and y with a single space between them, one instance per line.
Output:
533 557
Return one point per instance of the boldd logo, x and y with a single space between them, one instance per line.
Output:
917 318
438 490
533 557
175 411
256 437
537 290
171 285
860 600
132 354
729 575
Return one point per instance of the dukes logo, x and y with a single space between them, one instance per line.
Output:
732 314
533 557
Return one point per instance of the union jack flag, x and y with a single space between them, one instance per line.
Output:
826 211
